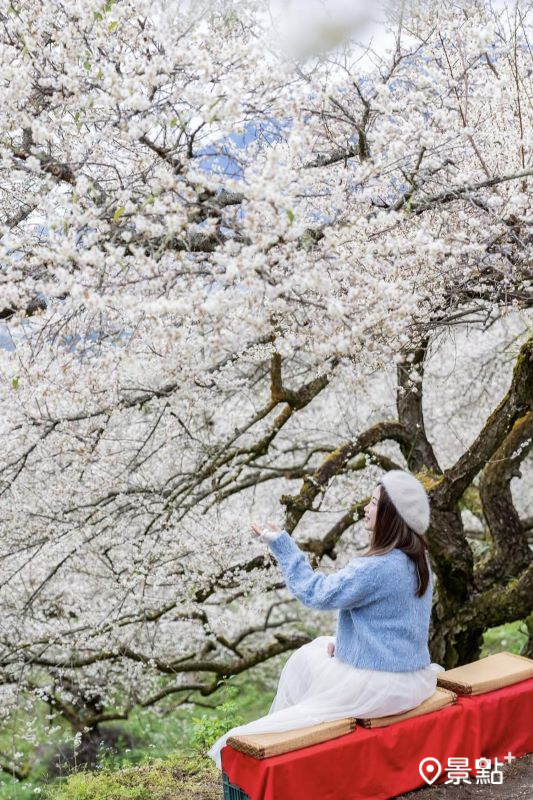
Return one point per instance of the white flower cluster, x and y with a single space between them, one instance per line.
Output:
212 263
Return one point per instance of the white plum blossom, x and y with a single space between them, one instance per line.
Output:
219 263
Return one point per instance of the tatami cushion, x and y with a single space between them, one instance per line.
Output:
264 745
492 672
439 699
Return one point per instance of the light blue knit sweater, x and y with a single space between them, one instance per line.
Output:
381 624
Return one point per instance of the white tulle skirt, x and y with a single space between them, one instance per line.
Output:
315 687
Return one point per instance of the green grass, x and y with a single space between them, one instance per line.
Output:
511 637
174 778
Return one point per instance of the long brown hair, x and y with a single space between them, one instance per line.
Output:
392 531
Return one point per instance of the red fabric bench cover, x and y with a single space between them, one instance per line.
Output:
381 763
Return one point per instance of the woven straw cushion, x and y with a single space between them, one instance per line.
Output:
492 672
264 745
439 699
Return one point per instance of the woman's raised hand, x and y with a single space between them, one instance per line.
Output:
266 533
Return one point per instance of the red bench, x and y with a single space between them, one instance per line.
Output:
381 763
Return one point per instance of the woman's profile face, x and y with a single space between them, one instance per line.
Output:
371 509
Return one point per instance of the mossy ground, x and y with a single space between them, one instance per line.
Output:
173 778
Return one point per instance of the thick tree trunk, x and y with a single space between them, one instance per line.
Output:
469 598
500 588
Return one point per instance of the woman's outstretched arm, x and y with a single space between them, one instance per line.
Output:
357 584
